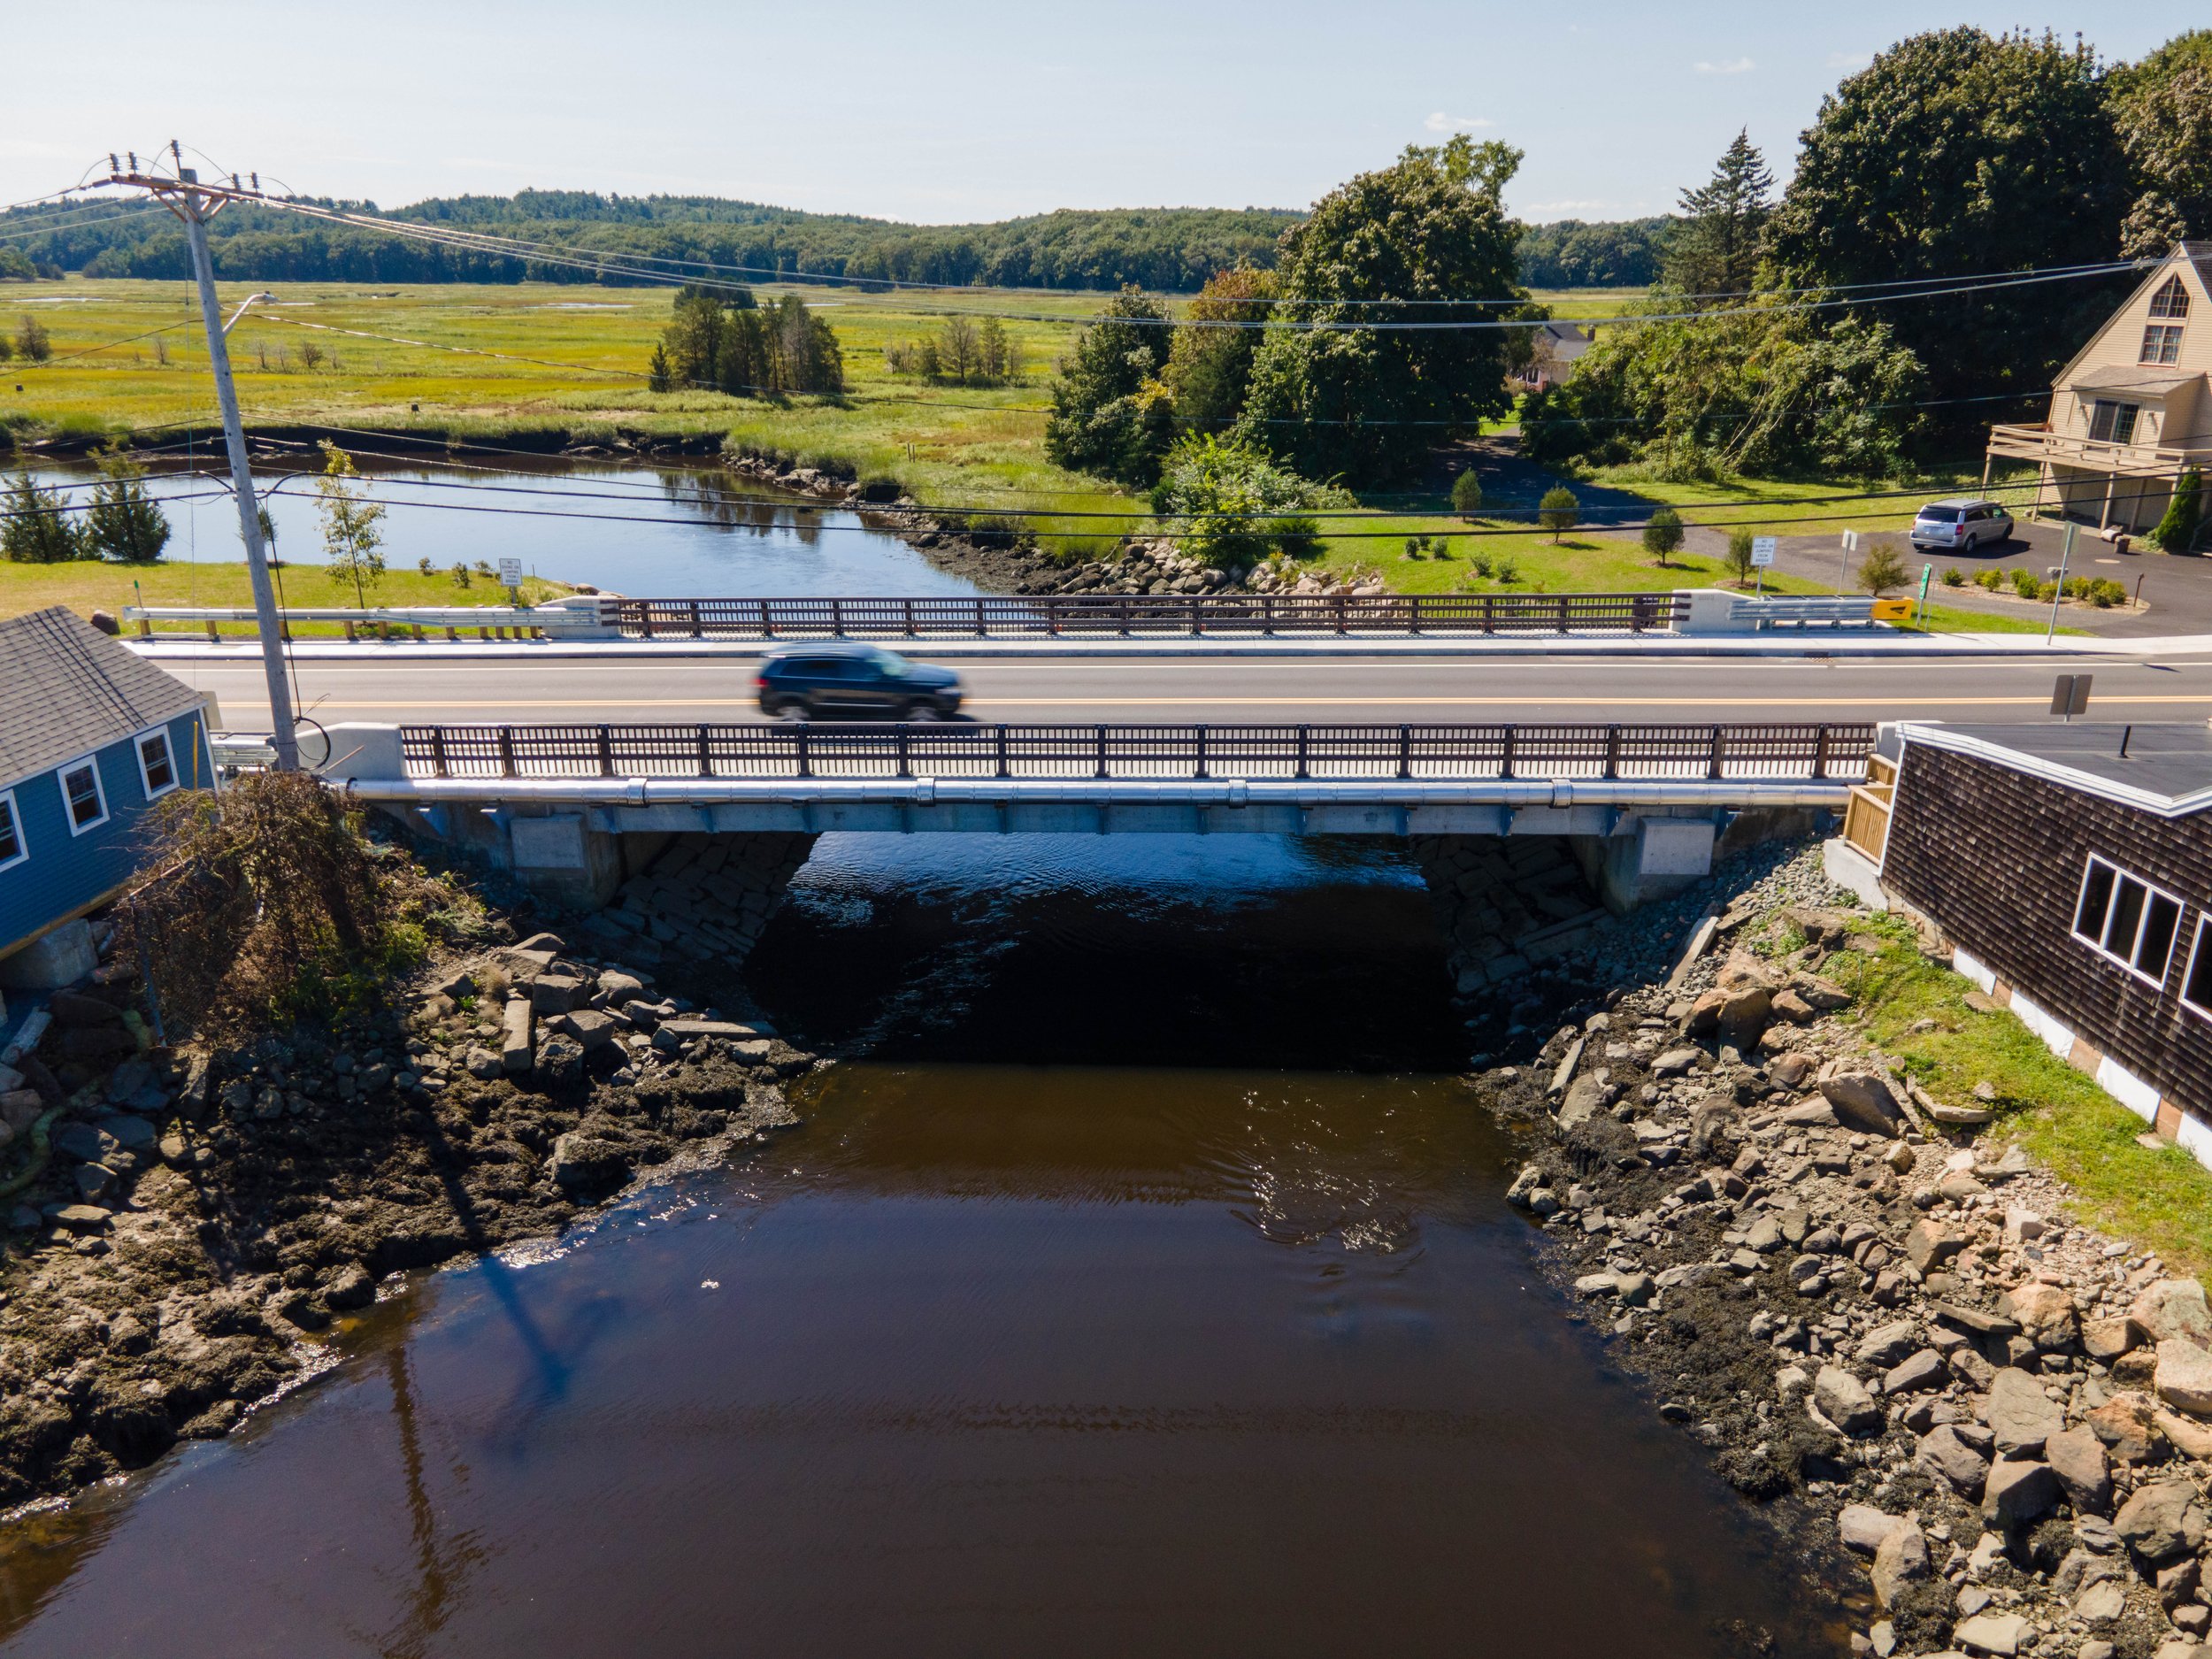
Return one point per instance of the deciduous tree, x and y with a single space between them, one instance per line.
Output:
1209 364
353 533
1111 415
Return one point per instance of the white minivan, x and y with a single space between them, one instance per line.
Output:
1960 525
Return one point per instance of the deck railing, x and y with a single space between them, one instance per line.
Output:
1414 753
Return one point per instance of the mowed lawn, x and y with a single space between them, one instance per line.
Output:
486 361
89 585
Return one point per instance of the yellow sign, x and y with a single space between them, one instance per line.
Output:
1893 610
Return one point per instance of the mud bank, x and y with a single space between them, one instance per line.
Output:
206 1218
1989 1426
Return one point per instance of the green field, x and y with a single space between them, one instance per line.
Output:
487 362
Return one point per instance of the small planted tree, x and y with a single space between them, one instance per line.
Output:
2176 531
1740 552
657 375
353 534
1662 534
1558 510
1882 569
32 341
1467 494
35 528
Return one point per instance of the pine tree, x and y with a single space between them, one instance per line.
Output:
1716 251
658 378
34 527
126 523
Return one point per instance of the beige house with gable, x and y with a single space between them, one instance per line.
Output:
2133 410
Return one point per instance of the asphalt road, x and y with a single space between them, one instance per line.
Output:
1087 690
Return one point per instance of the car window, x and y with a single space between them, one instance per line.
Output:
889 665
1940 514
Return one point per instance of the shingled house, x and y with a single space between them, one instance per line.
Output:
90 736
2071 866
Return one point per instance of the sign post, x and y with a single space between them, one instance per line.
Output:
1926 571
511 578
1762 559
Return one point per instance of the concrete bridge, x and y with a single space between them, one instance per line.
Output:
581 812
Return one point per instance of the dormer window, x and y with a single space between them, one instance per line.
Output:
2172 300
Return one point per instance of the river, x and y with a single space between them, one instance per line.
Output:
632 528
1150 1289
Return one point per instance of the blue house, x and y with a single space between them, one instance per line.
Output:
90 736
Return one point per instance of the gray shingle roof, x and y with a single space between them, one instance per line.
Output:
65 687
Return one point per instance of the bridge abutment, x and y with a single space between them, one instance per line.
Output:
707 897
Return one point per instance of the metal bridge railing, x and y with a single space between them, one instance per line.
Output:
1419 753
1106 616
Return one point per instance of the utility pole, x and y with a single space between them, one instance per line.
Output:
191 204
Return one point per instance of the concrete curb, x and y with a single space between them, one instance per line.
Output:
508 653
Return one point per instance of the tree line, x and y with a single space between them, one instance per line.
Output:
722 341
1955 153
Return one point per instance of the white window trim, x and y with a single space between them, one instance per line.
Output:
2119 873
99 787
169 746
2188 971
15 821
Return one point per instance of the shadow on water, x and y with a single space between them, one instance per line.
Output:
1145 1291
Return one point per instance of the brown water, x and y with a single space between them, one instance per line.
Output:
987 1359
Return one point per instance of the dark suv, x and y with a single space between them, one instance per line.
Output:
840 681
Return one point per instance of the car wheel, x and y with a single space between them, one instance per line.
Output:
918 713
791 709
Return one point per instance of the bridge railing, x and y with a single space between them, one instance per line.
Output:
1107 615
1428 753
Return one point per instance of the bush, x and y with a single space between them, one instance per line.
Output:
1992 580
1467 494
1478 563
1662 534
1234 505
2177 531
1558 510
2026 583
1882 569
1953 576
1506 570
34 530
30 340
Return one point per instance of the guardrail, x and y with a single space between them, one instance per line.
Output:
1076 616
1440 753
582 617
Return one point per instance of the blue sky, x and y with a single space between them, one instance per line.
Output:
953 112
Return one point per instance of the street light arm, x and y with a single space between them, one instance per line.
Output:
251 300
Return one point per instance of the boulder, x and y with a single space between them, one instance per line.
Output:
2171 1309
2045 1313
1790 1006
560 1063
1585 1100
2077 1457
620 987
1943 1453
1887 1345
2126 1424
72 1010
1997 1634
2106 1339
1743 1016
2018 1492
590 1027
349 1287
1843 1399
1676 1061
2189 1436
2021 1415
587 1166
552 993
1862 1527
1790 1070
2164 1521
1930 1244
2182 1379
1900 1561
1862 1100
517 1050
1825 995
1916 1372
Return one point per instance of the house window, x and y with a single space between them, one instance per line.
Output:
155 769
2196 984
2112 423
86 801
2170 301
2162 343
2126 919
12 851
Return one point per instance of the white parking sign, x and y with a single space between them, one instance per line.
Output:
1762 550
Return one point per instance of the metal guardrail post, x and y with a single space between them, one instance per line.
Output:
982 629
1101 773
1197 616
767 622
910 618
1612 751
1405 751
1820 752
1201 752
837 618
706 751
1343 602
906 768
1489 613
1562 615
1125 619
1267 616
606 753
1303 735
1003 771
1505 752
507 752
437 766
1712 769
697 632
806 759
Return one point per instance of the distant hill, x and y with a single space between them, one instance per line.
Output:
1170 249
